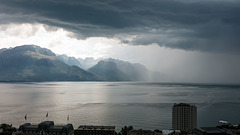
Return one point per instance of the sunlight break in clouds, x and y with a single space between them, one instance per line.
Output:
58 40
61 41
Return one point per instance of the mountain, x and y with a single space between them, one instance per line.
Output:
82 63
108 71
117 70
3 49
71 61
33 63
88 62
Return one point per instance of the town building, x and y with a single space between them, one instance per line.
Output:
46 127
94 130
212 131
141 132
184 117
171 132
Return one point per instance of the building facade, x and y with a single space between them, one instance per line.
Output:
94 130
141 132
46 127
184 117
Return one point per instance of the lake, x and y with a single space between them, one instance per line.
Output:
142 105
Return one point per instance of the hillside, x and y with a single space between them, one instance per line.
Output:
117 70
33 63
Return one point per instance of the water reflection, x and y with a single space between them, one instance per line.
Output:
142 105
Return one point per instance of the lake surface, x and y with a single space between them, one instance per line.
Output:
142 105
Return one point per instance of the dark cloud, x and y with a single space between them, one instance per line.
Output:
189 25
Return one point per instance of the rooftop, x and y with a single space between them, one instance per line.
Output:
91 127
211 130
182 104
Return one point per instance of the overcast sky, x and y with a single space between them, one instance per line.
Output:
186 40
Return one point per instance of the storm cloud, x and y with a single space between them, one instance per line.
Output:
201 25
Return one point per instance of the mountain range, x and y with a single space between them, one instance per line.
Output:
29 63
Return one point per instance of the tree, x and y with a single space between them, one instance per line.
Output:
125 130
7 127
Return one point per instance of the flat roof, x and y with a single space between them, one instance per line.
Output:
182 104
211 130
32 126
141 131
56 127
91 127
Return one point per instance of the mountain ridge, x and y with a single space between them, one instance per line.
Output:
29 63
32 63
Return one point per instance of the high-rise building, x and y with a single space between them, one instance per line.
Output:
184 116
